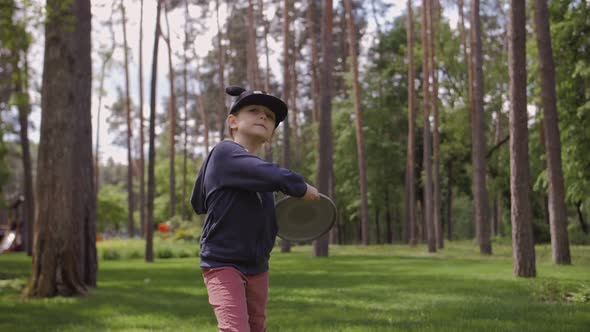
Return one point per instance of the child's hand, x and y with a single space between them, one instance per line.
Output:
311 194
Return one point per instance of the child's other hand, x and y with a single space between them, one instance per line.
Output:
311 194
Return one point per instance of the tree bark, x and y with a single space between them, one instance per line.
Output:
172 116
522 232
315 87
583 223
286 245
320 246
436 215
480 193
252 55
141 126
185 211
130 207
64 256
149 236
411 150
557 208
21 93
221 60
450 200
360 141
267 146
427 207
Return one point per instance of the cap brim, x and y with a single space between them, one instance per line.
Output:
276 105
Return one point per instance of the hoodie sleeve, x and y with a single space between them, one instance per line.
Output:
233 166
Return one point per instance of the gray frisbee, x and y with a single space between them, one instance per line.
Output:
301 220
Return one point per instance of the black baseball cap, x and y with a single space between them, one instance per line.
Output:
257 97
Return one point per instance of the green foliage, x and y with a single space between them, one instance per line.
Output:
111 211
164 253
570 26
111 255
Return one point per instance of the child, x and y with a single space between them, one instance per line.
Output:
235 188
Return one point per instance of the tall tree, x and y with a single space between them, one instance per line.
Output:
325 171
17 39
251 53
522 232
171 116
315 87
185 211
286 245
106 56
130 207
411 149
149 234
360 144
141 129
557 209
478 154
427 149
64 256
221 74
265 24
436 215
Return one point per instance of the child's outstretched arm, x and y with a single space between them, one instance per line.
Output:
231 166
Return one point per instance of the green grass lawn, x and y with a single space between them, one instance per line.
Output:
376 288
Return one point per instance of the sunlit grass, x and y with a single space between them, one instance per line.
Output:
376 288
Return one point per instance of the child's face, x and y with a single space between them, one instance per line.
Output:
255 121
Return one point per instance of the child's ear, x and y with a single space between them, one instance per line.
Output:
232 121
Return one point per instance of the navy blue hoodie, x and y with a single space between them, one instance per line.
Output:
235 188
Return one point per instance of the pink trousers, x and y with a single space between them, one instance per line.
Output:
238 300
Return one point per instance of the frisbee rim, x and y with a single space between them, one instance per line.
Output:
323 232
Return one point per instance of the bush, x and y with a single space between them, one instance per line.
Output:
135 254
577 236
186 234
184 254
165 253
111 255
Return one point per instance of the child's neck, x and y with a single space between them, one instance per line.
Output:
252 145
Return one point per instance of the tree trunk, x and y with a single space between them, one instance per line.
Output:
293 99
141 125
450 200
105 60
172 116
286 245
522 231
130 207
480 193
21 93
64 256
315 87
221 60
497 209
427 207
377 229
201 107
252 55
267 146
185 211
583 223
389 229
411 159
320 246
149 235
557 208
360 144
436 215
